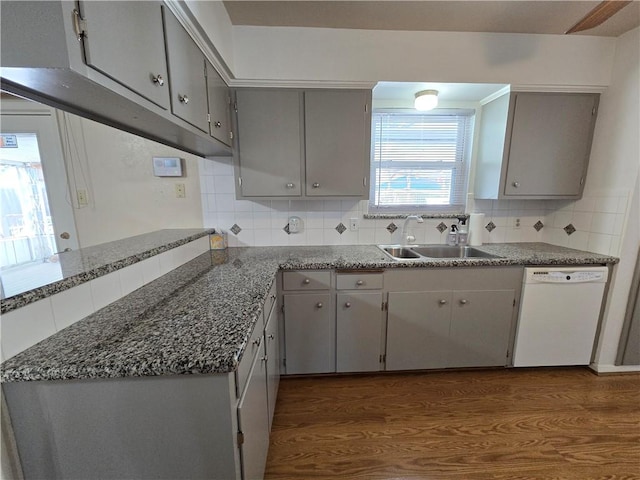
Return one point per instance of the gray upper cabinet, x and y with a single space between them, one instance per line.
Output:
125 41
306 144
188 83
269 143
218 97
107 61
535 145
337 142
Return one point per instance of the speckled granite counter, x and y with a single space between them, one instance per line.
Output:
198 318
85 264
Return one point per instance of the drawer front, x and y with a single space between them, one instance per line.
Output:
359 281
268 303
311 280
253 347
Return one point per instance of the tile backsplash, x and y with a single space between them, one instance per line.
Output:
598 221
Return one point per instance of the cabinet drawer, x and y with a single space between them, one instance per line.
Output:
359 281
254 346
306 280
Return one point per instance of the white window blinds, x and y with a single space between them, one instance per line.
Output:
419 161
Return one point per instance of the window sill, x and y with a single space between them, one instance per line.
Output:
385 216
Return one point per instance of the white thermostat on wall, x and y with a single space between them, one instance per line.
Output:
167 166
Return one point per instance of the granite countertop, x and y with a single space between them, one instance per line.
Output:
198 318
80 266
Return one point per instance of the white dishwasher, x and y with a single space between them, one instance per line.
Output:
559 312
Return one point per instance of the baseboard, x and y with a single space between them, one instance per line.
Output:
605 369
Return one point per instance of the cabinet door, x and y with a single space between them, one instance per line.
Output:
272 347
418 330
253 421
480 328
269 148
219 106
550 143
309 332
125 41
337 142
358 332
186 74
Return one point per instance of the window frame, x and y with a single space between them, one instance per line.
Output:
460 168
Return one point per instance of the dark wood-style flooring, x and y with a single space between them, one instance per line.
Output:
497 424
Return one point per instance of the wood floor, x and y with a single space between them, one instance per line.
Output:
497 424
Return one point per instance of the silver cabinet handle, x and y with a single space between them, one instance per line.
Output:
273 297
183 99
360 283
290 185
306 281
271 337
463 302
65 236
265 358
217 124
319 304
257 341
442 302
516 184
316 185
158 80
348 304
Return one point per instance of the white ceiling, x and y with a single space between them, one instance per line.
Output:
509 16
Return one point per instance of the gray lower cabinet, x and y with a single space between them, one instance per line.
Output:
213 426
186 66
309 333
126 43
359 329
272 350
457 318
253 421
535 145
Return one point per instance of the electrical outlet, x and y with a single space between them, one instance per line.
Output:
353 224
516 224
295 224
180 190
83 197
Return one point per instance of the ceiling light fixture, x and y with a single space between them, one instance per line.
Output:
426 100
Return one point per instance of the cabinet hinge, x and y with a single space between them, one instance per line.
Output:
508 353
366 108
79 25
383 358
514 302
593 111
240 181
582 181
284 362
208 117
230 135
240 438
364 181
385 306
235 106
282 308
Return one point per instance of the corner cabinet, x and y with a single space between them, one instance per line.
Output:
213 426
535 145
302 143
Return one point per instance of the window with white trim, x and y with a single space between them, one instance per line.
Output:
419 160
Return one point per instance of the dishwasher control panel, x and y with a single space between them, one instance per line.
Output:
566 275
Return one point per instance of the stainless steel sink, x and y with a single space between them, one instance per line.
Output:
417 252
447 251
399 252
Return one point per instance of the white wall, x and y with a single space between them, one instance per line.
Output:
125 198
321 54
614 169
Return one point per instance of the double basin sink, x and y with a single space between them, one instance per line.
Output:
419 252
